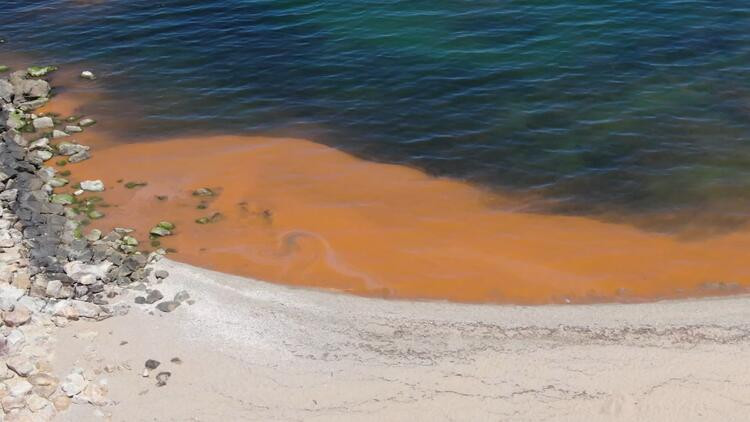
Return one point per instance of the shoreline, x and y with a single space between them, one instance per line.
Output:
253 350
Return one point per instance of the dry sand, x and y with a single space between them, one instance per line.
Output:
257 351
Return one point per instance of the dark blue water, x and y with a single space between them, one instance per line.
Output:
624 109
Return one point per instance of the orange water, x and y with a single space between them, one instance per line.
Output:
301 213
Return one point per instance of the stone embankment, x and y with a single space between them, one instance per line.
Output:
51 270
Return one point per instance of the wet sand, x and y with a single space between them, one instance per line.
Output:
297 212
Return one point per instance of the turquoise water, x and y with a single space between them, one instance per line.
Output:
630 110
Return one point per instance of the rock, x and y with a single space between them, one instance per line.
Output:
86 122
43 123
6 90
15 339
61 403
36 403
75 269
11 403
73 309
203 192
79 156
39 71
6 241
160 231
95 394
166 225
15 119
54 288
31 88
18 387
87 279
94 235
92 185
154 296
56 134
62 199
10 294
43 380
181 296
140 300
19 316
21 365
73 384
176 361
73 129
41 143
87 74
162 378
167 306
129 241
152 364
95 214
161 274
69 149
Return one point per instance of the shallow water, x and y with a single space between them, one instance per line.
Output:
620 109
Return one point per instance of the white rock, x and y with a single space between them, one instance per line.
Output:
73 384
18 387
21 365
78 192
36 403
87 74
59 134
87 279
86 122
72 309
43 123
39 143
75 269
15 338
73 129
11 293
54 288
6 240
35 304
92 185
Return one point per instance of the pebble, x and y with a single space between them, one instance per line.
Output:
181 296
21 365
73 384
61 402
167 306
73 129
19 316
43 123
10 403
36 403
154 296
59 134
152 364
86 122
92 185
161 274
18 387
87 74
162 378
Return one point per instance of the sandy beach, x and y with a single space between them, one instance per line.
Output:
257 351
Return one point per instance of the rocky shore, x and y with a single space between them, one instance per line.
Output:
53 270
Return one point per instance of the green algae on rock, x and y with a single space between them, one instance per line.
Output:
39 71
